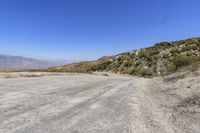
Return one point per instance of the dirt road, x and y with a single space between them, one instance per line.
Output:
81 103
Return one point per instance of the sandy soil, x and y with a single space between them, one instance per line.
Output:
93 103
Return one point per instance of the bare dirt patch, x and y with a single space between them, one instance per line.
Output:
27 74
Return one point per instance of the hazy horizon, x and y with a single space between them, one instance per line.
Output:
88 30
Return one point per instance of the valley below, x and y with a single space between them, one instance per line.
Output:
100 103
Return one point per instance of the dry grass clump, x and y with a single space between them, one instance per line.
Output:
105 74
7 70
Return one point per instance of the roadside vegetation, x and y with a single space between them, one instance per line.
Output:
160 60
7 70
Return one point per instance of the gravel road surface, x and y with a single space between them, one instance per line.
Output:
80 103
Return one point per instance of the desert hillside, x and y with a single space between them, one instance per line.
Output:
161 59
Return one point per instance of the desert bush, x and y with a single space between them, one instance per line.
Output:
163 45
184 60
102 66
127 63
130 70
105 74
137 63
166 56
189 41
149 58
194 47
168 69
142 54
189 48
7 70
174 52
146 72
154 51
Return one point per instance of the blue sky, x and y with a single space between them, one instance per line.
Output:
89 29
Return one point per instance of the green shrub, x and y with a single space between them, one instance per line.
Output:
170 68
142 54
131 70
166 56
149 59
194 47
189 48
183 60
189 41
138 63
174 52
146 73
105 74
154 51
127 63
164 45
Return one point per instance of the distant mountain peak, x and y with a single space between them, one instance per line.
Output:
19 63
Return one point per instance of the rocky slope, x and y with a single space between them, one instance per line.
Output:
162 59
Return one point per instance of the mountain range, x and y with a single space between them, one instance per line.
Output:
20 63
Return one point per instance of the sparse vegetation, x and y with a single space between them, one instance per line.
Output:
184 60
7 70
105 74
146 73
162 59
170 68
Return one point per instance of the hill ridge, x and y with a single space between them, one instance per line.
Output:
161 59
20 63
